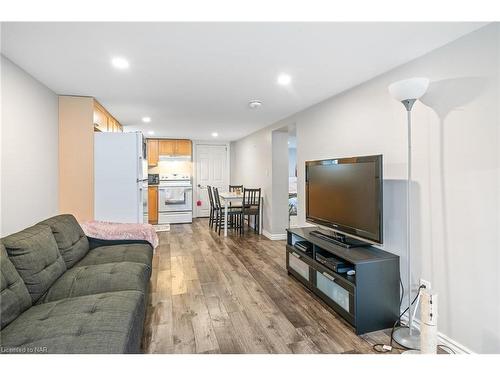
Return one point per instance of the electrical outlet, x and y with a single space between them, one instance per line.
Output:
426 283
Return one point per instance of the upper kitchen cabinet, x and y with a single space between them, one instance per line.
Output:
100 119
113 125
183 147
175 147
153 152
167 147
104 121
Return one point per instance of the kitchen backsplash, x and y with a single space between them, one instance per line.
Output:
173 166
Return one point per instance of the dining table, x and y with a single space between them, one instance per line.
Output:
236 197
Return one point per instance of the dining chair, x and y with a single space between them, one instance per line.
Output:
234 189
211 218
234 215
251 206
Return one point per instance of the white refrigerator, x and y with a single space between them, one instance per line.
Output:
120 178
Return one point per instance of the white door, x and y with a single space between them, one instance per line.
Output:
211 169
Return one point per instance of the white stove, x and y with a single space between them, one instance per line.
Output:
175 199
175 177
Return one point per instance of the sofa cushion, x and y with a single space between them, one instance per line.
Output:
101 278
14 296
34 253
99 323
136 253
71 240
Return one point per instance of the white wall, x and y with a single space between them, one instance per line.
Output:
251 159
456 171
29 150
292 161
279 221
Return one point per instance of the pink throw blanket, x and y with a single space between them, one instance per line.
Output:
118 231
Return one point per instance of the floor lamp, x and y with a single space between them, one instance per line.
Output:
407 92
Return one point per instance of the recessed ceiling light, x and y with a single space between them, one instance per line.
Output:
254 104
284 79
215 134
146 119
151 132
120 63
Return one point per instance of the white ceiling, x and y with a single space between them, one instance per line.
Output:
193 79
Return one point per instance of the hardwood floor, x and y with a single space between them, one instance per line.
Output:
211 294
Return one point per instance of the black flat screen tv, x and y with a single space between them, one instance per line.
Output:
346 195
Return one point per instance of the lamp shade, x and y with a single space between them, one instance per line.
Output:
412 88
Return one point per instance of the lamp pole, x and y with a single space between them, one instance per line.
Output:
407 92
408 105
408 337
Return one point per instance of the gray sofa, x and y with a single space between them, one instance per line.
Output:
62 292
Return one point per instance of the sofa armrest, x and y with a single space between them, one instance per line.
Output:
96 242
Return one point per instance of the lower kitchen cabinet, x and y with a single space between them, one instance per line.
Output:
153 204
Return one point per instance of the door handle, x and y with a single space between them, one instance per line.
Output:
296 255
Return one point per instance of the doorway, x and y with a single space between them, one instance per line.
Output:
211 169
292 178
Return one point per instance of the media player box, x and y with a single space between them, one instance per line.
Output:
333 263
304 246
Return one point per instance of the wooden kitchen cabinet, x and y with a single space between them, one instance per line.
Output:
100 119
104 121
167 147
114 126
153 152
153 204
175 147
117 128
111 125
182 147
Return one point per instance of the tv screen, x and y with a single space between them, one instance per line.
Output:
346 195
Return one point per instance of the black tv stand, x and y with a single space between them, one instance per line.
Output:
339 239
368 299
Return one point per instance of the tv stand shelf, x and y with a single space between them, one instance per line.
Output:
368 300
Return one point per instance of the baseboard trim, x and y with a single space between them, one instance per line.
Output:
443 339
274 237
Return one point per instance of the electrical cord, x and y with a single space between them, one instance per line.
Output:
402 293
383 348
